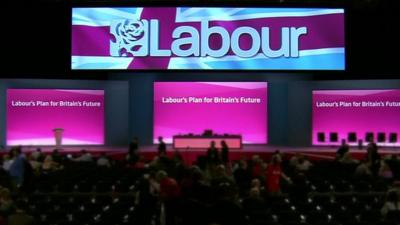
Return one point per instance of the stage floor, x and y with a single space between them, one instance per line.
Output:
190 155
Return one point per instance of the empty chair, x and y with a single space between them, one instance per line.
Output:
317 216
84 186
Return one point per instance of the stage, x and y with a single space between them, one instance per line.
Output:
190 155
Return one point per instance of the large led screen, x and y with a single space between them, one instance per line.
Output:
235 108
33 115
355 115
160 38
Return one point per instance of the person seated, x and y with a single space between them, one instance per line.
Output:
395 187
363 170
257 167
242 177
169 188
303 164
384 171
37 155
256 183
294 160
20 217
278 154
391 205
141 163
103 161
7 162
254 203
219 175
56 156
347 159
84 157
49 164
7 206
35 164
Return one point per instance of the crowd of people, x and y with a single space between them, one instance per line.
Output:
181 193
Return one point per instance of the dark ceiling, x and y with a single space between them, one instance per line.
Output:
36 35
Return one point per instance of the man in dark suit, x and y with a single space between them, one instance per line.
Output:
162 147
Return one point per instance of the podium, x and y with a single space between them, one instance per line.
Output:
58 135
203 142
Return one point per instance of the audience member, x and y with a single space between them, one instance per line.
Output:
274 175
35 164
20 217
224 152
385 172
7 206
56 156
7 162
294 160
363 170
278 154
162 147
85 156
257 167
391 205
103 160
133 154
348 159
37 155
254 204
343 149
169 192
242 177
134 145
212 154
17 168
49 165
303 164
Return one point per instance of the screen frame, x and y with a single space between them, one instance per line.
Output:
217 81
166 4
334 89
77 89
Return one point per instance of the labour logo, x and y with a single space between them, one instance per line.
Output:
129 38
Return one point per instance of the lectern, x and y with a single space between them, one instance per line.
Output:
58 135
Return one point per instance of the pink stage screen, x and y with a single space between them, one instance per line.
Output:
235 108
33 114
360 112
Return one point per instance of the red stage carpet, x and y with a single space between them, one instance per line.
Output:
190 155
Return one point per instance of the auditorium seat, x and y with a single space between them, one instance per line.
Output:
317 217
103 186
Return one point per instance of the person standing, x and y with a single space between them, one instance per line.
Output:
162 147
17 168
212 154
224 152
274 175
